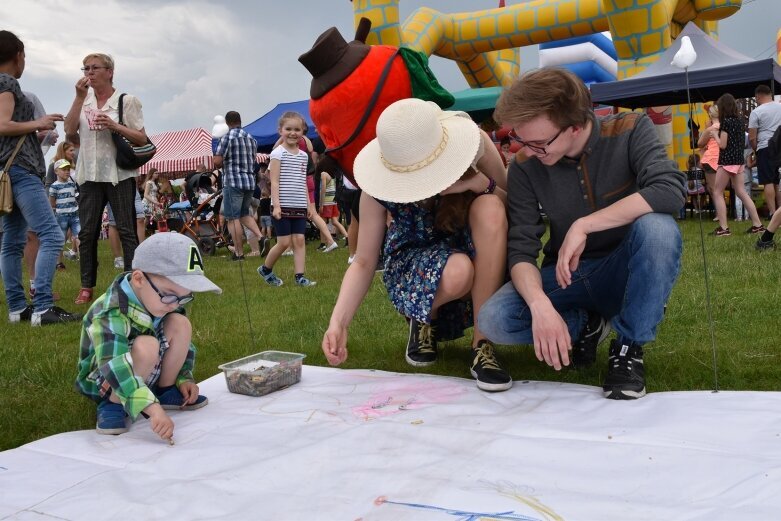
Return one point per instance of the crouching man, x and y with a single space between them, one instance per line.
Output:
608 190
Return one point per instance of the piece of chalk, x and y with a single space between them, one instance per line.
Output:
171 441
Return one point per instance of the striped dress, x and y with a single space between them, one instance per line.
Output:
293 199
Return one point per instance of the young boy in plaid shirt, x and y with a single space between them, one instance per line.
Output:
136 355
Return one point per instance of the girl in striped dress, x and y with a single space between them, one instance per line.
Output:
289 200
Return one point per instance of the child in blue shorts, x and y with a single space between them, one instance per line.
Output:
136 352
63 197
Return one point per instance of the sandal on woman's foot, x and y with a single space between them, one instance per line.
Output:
84 296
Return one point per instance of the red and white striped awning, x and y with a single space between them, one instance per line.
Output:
180 152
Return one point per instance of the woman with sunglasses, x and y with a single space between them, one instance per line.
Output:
92 119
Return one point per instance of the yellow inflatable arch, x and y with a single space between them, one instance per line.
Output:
485 43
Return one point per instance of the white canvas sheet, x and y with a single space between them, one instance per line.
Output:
368 445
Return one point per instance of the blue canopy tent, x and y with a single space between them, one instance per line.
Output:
264 129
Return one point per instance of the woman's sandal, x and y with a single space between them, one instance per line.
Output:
84 297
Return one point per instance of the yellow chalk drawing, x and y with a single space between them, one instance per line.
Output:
484 43
512 491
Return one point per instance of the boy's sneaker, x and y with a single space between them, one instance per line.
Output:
23 315
721 232
111 418
756 229
584 351
331 247
53 315
486 370
421 344
119 263
625 378
765 245
172 399
270 278
305 282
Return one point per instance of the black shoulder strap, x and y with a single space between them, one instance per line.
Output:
121 98
370 105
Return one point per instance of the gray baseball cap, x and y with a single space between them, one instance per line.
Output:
176 257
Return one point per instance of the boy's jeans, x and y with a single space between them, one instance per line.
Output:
31 208
631 285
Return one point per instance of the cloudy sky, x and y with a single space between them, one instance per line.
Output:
188 60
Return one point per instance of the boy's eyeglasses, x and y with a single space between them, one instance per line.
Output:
170 299
539 149
92 68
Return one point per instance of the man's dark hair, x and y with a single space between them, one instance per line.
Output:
10 46
233 118
763 90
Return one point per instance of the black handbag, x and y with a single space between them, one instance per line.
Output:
130 156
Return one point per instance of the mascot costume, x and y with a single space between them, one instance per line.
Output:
352 83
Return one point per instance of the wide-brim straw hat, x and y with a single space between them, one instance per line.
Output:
419 151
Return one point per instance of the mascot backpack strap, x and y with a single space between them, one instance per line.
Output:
370 105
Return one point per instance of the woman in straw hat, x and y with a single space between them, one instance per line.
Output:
442 180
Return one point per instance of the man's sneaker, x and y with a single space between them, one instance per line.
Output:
421 344
119 263
331 247
236 258
486 370
111 418
756 229
721 232
305 282
270 278
23 315
584 351
173 399
625 378
765 245
53 315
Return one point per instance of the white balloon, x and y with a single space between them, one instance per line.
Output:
220 128
686 55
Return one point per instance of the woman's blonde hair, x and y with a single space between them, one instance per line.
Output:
713 112
60 152
107 61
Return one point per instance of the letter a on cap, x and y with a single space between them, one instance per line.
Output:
195 259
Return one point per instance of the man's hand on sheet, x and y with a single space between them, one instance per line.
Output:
552 342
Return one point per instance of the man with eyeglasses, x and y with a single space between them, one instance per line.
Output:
608 190
136 355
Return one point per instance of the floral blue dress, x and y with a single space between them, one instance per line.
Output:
415 257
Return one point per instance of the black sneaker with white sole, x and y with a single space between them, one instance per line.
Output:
584 351
486 370
23 315
421 344
625 378
54 315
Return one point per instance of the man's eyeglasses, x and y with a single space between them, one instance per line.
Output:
170 299
92 68
536 148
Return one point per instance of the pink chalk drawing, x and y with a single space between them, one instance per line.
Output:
395 399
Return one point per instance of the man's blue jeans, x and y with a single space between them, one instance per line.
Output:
31 209
631 286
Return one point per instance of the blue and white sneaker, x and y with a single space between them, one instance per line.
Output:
173 399
111 418
270 278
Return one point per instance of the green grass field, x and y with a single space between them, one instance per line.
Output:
38 365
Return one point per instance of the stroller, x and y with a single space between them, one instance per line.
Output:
199 221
